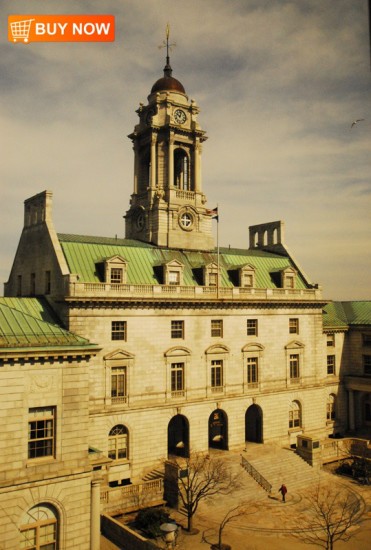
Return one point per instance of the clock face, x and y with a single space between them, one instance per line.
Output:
180 116
140 221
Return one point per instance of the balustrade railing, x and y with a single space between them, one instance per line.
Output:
256 475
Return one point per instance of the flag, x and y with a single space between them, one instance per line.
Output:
213 213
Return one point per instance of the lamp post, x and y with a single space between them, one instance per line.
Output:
169 530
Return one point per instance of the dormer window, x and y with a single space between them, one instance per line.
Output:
211 274
247 276
115 269
288 278
173 273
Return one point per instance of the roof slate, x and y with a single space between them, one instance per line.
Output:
29 322
82 254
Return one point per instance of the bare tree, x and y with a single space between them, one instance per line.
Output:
331 513
238 511
202 478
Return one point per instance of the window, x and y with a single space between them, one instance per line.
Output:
294 326
289 281
174 277
217 328
294 366
39 532
177 379
252 371
366 340
252 327
118 384
47 282
41 432
330 408
247 280
331 364
118 330
330 340
177 329
213 279
116 275
118 443
294 415
216 374
367 364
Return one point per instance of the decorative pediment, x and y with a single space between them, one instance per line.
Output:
295 344
210 274
177 352
118 356
173 272
253 347
115 269
217 348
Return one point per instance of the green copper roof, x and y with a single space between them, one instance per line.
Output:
29 322
343 314
84 253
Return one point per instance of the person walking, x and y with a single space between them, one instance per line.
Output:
283 491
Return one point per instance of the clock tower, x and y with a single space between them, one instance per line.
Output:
168 207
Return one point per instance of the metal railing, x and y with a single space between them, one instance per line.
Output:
256 475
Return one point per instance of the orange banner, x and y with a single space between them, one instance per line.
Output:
61 28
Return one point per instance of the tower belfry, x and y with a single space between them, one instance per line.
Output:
168 207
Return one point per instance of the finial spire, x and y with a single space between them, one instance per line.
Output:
165 44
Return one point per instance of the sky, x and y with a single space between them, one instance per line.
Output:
278 82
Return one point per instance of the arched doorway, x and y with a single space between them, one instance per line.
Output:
218 430
254 424
178 436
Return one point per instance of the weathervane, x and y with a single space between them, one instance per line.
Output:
165 44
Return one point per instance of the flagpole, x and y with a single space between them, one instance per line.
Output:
217 249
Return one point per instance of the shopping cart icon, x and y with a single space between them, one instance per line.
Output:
21 29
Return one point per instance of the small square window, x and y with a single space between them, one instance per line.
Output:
118 330
331 365
366 340
294 326
252 327
41 432
174 277
177 329
330 340
217 328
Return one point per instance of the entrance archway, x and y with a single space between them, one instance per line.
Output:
178 436
218 430
254 424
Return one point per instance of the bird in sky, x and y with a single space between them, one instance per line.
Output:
355 122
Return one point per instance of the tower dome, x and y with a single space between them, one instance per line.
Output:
168 82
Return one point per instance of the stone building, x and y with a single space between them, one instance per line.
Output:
195 346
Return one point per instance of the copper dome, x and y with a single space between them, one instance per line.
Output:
168 83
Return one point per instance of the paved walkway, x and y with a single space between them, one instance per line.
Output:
268 522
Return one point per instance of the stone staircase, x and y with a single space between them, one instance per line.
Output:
279 465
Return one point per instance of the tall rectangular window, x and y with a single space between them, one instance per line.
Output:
366 340
294 366
217 328
47 282
118 330
177 379
19 285
367 364
177 329
252 327
252 371
174 277
331 364
213 279
217 374
118 384
294 326
41 432
33 284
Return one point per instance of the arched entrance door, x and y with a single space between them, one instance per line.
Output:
178 436
218 430
254 424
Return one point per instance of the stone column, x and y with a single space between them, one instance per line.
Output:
153 161
352 425
197 167
170 170
95 515
136 166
